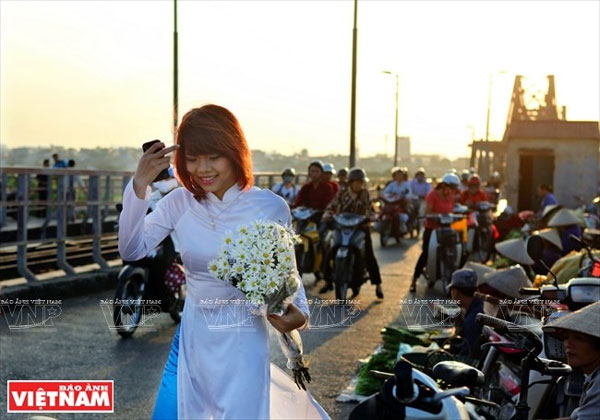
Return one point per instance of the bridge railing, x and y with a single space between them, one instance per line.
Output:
55 208
40 206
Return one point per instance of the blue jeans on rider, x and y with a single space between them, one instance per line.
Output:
165 406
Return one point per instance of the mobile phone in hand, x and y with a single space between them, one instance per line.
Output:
164 174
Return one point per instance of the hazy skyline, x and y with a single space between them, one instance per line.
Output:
82 73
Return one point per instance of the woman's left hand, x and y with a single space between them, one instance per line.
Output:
294 318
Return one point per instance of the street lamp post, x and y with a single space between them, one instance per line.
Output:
395 120
353 93
486 160
175 74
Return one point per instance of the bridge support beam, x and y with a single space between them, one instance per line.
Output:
61 224
22 219
94 205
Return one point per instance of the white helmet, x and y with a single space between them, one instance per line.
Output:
451 180
328 167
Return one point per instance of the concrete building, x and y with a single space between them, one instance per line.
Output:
540 146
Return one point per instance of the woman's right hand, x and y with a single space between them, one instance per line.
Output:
152 162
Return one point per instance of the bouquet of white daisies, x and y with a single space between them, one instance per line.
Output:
259 260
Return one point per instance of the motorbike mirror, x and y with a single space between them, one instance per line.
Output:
404 381
535 247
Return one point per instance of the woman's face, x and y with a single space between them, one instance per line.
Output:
357 185
581 351
314 173
214 173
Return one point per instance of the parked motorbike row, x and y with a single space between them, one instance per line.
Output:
522 372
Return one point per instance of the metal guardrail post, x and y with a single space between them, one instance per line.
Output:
4 209
22 219
61 224
107 196
93 197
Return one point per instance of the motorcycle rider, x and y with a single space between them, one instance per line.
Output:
316 193
419 185
492 188
328 173
580 333
439 200
464 180
355 199
399 190
288 188
474 194
342 176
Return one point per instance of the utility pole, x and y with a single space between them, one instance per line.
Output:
353 94
175 74
396 119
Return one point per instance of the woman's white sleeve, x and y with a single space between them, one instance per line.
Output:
140 233
300 300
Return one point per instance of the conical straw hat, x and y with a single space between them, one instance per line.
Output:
508 281
479 269
549 208
564 217
586 320
515 250
551 235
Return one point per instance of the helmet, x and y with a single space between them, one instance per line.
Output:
402 170
328 167
288 171
451 180
495 176
465 174
474 180
343 172
316 163
420 171
357 174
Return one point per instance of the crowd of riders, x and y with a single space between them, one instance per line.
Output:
347 191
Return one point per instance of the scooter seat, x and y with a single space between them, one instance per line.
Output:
458 374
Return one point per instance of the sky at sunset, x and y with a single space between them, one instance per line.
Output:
99 73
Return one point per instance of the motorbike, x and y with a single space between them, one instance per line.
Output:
408 393
546 397
446 251
147 287
509 380
388 223
308 253
480 234
348 253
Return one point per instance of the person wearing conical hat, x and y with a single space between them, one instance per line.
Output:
580 333
552 249
515 250
567 223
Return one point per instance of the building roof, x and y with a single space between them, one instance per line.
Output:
559 130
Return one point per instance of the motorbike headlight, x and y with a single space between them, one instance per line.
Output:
446 219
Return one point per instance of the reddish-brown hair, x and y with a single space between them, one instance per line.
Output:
212 129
